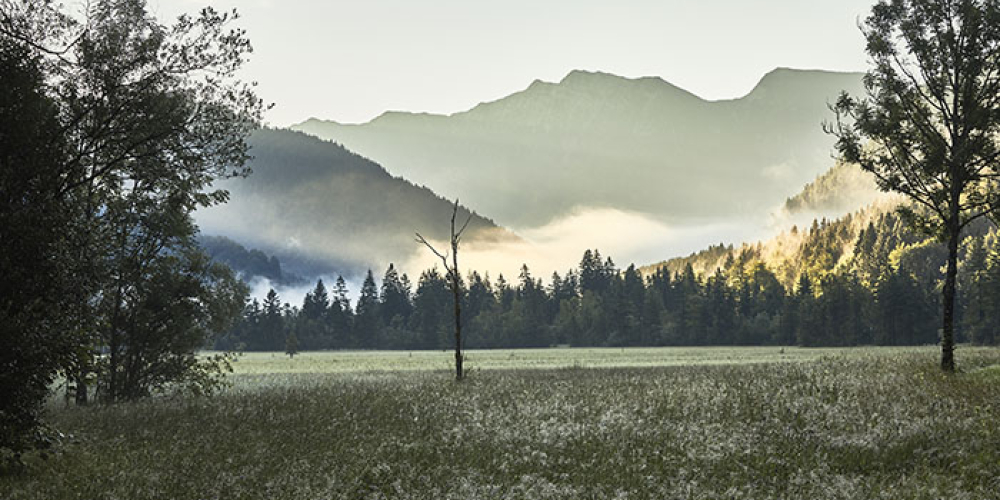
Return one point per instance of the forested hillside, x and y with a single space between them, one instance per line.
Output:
596 139
248 264
844 188
862 279
321 208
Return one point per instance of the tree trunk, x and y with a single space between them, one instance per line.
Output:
458 331
948 326
81 387
456 290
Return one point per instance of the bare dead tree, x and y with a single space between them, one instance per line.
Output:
454 279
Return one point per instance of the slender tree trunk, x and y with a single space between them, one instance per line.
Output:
113 355
81 387
948 326
458 332
456 290
455 279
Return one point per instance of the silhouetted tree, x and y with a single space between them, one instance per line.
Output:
454 279
367 320
927 126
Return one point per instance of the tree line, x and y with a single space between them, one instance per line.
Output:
886 293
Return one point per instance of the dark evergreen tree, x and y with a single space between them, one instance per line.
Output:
395 298
313 324
367 320
341 316
431 311
271 335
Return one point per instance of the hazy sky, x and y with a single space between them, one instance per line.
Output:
351 60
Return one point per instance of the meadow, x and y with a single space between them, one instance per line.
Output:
712 423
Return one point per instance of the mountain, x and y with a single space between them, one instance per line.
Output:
600 140
323 209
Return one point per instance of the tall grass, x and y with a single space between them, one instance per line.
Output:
840 424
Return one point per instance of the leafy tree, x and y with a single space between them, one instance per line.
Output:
114 127
983 317
41 325
928 124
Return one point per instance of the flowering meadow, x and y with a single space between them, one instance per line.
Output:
691 423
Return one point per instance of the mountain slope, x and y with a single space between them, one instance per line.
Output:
843 188
600 140
862 242
323 209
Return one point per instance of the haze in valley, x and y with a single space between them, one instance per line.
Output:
646 129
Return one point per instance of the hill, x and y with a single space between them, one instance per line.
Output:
844 188
600 140
862 243
323 209
249 264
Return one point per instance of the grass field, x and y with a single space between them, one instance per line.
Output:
558 423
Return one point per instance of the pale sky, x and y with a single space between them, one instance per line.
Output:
353 60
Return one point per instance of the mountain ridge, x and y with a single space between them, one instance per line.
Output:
576 75
597 139
323 209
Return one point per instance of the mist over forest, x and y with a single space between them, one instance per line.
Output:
600 284
594 160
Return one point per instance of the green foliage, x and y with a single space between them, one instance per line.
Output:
114 128
928 124
843 188
291 344
879 291
44 281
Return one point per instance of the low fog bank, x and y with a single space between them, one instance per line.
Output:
625 236
294 294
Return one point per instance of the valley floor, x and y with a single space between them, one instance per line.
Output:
556 423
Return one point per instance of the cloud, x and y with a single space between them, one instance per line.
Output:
294 295
627 237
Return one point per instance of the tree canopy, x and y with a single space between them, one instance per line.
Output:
114 126
928 125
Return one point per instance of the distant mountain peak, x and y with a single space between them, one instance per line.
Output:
584 76
602 81
781 79
597 138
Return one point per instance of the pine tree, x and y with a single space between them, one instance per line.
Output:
395 298
367 321
291 344
272 325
